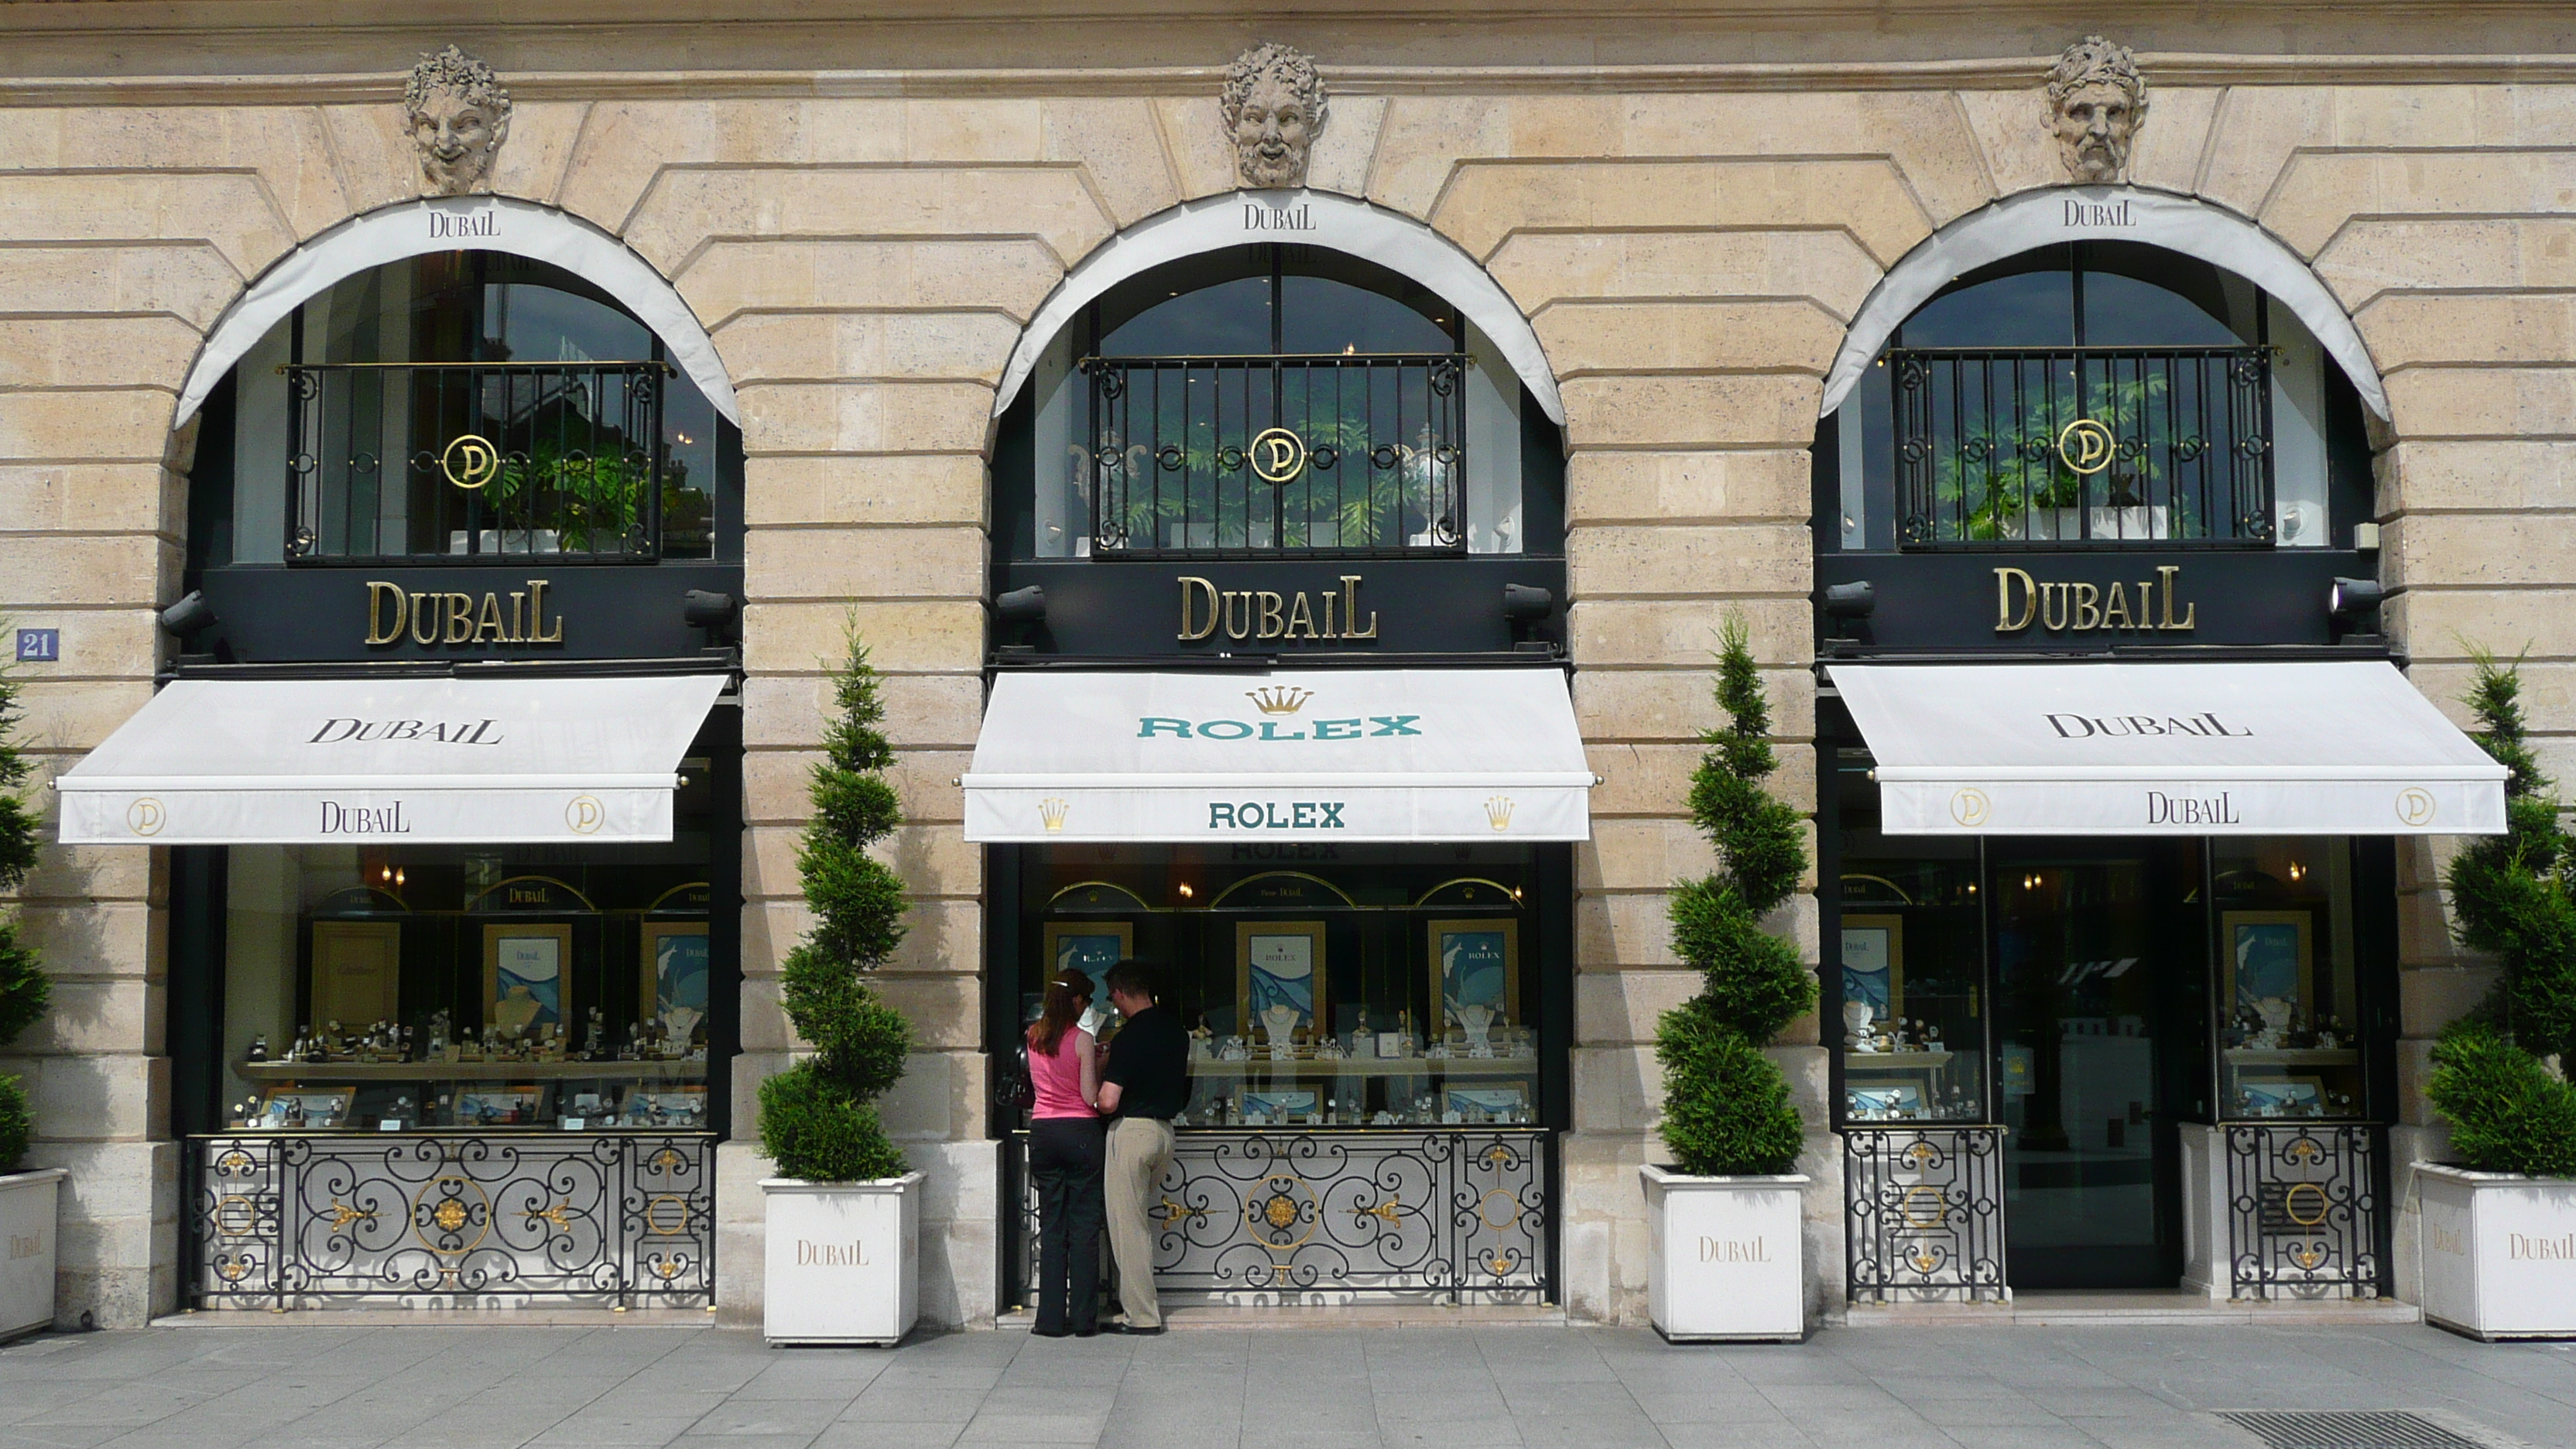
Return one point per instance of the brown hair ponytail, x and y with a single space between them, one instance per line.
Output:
1066 996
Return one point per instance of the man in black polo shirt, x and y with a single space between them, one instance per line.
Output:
1146 1082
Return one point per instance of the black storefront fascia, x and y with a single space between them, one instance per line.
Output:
1500 611
1927 1212
281 1220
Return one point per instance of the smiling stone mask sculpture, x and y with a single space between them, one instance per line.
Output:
2096 102
1274 107
459 115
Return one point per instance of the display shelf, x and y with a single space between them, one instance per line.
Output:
1894 1061
1370 1067
2293 1056
276 1072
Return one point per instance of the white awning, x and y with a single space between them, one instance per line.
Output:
412 761
2321 748
1349 755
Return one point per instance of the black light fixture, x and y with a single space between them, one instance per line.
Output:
1855 600
1525 603
1021 606
707 608
191 616
2348 601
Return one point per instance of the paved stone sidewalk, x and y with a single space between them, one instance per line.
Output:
491 1387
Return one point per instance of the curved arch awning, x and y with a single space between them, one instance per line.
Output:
1308 218
461 223
2036 219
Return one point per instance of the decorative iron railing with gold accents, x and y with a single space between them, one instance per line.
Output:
482 462
2304 1211
1347 454
312 1220
1924 1214
1330 1215
2083 446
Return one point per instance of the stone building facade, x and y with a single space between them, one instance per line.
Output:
865 212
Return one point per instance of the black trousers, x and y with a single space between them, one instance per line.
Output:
1065 1157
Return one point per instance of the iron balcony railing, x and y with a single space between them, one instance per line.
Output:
476 461
1339 453
2084 446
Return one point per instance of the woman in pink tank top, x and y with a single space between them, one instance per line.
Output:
1067 1142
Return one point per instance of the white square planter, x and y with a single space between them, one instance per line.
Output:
2499 1252
1727 1256
843 1260
27 1215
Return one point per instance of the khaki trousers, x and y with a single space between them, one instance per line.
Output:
1139 1149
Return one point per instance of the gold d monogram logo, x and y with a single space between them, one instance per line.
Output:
144 816
470 462
585 814
1970 807
1277 455
2086 446
2415 806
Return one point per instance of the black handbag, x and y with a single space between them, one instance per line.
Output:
1013 1091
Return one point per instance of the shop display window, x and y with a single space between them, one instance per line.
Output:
1326 986
390 988
2288 1006
1911 1011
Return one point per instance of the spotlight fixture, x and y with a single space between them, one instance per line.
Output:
191 615
1523 603
2352 610
1021 606
707 609
1855 600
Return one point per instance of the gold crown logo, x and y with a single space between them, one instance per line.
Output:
1278 700
1052 811
1498 812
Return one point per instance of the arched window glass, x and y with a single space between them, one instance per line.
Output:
2095 394
1275 399
459 407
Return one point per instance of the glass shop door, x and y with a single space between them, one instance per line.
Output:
2098 949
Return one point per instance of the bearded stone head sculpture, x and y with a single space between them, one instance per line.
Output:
1274 105
459 116
2096 102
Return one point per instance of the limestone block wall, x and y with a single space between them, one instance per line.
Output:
1689 245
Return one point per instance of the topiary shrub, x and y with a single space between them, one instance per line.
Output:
818 1120
2495 1078
24 987
1726 1106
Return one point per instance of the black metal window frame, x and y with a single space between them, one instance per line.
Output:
559 462
1343 455
2083 447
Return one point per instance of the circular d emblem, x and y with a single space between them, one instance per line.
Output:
2085 446
470 462
1970 807
1278 455
145 816
2415 806
585 814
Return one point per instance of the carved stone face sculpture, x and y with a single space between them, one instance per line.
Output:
459 116
2096 102
1274 109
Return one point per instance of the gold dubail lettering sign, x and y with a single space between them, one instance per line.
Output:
1266 614
2063 608
432 619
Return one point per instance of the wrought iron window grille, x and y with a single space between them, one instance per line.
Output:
2083 447
2305 1211
1924 1214
475 462
1457 1216
309 1220
1340 454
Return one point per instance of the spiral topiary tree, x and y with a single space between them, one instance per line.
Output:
2496 1075
1726 1105
818 1119
24 987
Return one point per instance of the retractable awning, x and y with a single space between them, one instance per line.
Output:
417 761
2318 748
1349 755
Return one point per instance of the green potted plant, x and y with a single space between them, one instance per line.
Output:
844 1214
2499 1228
1723 1219
28 1203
